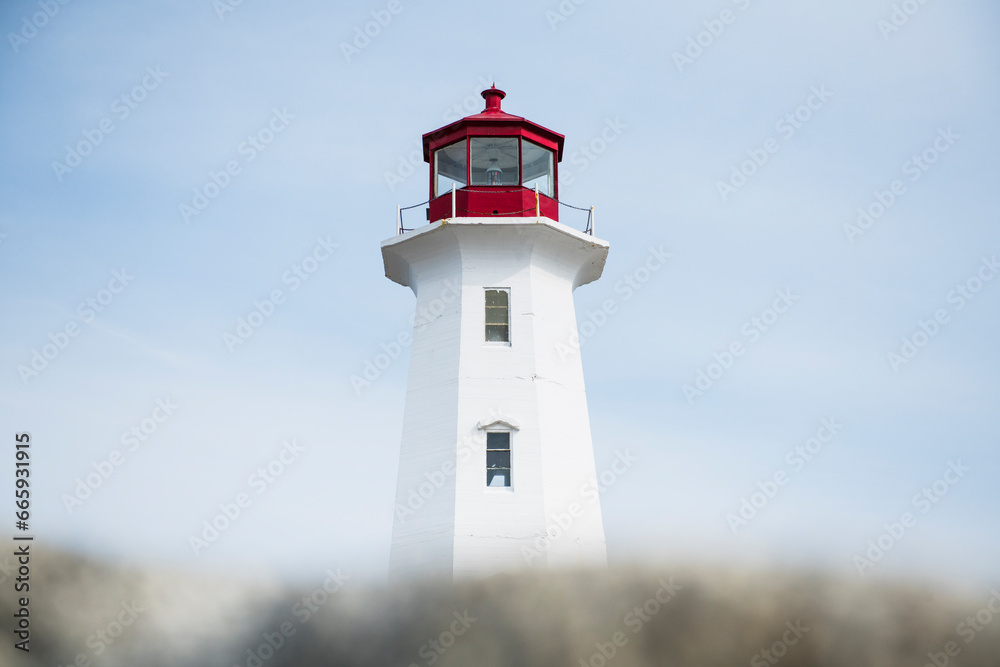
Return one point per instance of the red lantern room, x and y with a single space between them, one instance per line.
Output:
493 164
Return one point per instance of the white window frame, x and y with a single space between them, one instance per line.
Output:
510 450
510 319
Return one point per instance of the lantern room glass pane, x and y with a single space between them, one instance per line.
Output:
494 161
449 167
537 168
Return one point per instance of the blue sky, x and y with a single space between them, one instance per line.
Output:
335 128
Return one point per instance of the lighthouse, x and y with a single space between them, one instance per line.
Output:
496 463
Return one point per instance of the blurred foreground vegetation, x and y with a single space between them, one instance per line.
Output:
84 612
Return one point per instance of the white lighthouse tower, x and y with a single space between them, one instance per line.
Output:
496 465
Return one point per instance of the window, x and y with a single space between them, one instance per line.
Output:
497 459
497 316
536 168
494 160
449 167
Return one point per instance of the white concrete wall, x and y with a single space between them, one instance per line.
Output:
458 381
423 538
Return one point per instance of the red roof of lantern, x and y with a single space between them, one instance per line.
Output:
492 121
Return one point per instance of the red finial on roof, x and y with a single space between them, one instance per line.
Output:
493 96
